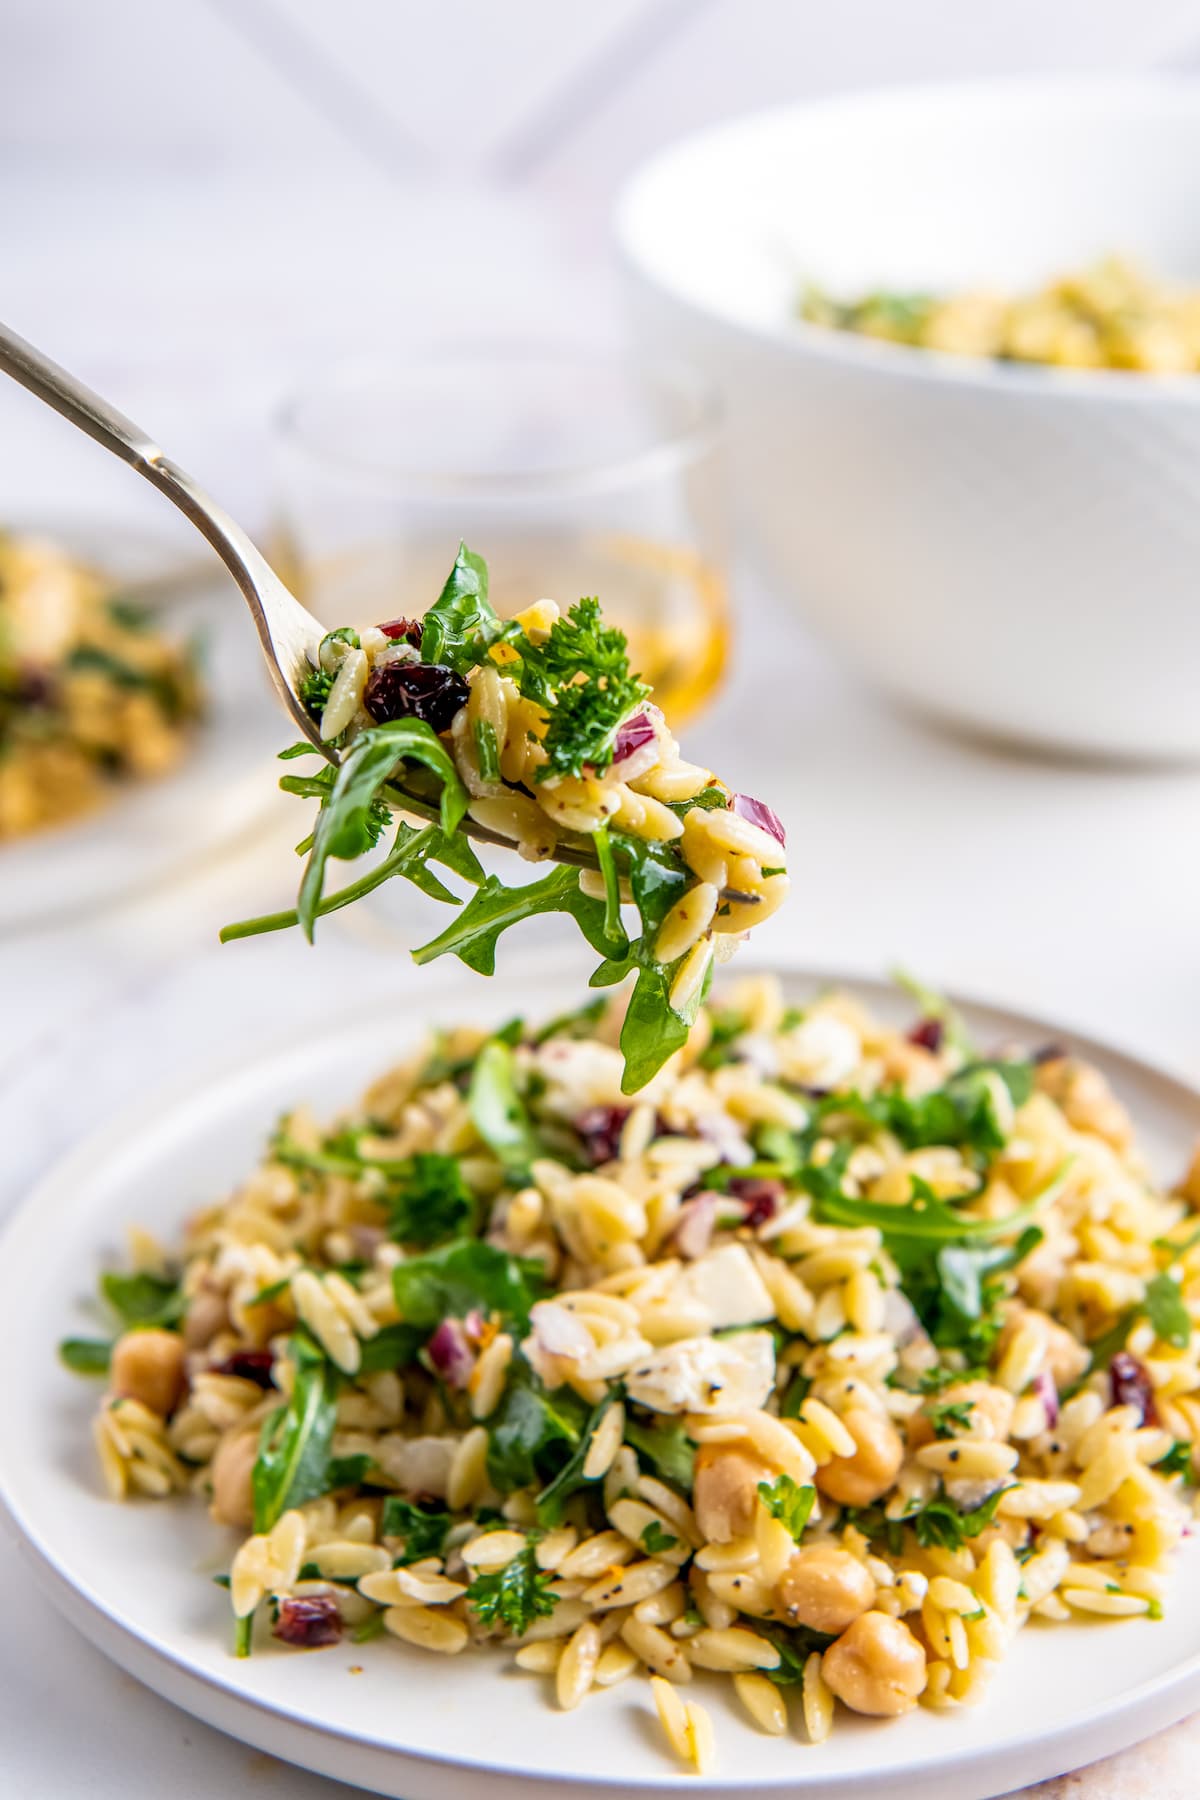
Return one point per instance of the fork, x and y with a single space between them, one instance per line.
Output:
287 631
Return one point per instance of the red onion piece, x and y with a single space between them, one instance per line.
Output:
1130 1385
632 735
695 1225
310 1621
757 812
451 1354
1047 1393
474 1325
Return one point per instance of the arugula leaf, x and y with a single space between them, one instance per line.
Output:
515 1596
498 1112
612 888
411 852
581 676
964 1112
788 1502
293 1448
423 1528
347 1471
571 1478
926 1219
473 935
1167 1313
668 1449
652 1030
143 1299
449 1282
461 623
395 1347
1177 1461
527 1430
344 826
431 1202
487 750
86 1356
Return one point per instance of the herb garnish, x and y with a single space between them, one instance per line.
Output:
515 1595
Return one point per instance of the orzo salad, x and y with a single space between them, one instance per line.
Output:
824 1364
536 730
92 696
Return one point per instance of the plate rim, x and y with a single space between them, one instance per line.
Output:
264 1721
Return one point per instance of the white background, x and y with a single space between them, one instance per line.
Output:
203 200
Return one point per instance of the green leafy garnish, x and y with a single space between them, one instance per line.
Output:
498 1112
655 1541
1177 1461
292 1465
581 676
487 750
430 1202
457 1278
86 1356
424 1529
788 1502
143 1299
515 1596
461 623
533 1435
1167 1313
344 824
949 1417
668 1449
495 908
571 1478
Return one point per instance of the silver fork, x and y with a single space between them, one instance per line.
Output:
287 631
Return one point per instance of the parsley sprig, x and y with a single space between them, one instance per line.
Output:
515 1595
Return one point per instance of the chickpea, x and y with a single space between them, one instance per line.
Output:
825 1588
876 1666
232 1467
726 1489
857 1480
148 1366
207 1314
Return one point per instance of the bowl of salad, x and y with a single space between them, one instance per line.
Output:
955 329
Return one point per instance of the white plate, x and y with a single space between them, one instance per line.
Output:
135 1579
151 829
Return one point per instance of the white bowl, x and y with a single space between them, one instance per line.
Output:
1015 549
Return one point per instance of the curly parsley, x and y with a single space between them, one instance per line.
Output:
515 1595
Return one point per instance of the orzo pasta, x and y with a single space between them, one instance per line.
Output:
819 1369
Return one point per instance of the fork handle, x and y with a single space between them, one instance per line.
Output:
76 401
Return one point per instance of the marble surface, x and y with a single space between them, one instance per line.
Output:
1065 890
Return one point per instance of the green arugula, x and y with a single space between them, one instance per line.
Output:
498 1112
1163 1305
1177 1461
461 624
787 1501
292 1465
668 1450
464 1275
571 1478
142 1299
938 1523
423 1528
430 1202
965 1112
86 1356
515 1596
527 1434
495 908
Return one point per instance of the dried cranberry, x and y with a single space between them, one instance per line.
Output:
760 1195
310 1621
1130 1385
250 1365
424 691
600 1128
34 687
408 631
928 1035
